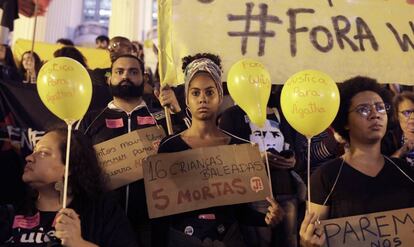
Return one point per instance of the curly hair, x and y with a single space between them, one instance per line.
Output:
348 89
188 59
86 178
71 52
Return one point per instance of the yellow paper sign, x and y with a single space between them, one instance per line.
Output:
121 157
342 38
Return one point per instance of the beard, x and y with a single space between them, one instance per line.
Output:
126 90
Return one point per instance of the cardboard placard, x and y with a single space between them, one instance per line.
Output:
384 229
121 157
204 177
342 38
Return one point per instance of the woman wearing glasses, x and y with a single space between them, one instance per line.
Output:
363 180
403 137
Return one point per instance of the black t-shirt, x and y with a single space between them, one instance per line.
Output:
175 143
36 230
102 223
356 193
224 216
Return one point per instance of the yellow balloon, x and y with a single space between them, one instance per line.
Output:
64 86
310 101
249 85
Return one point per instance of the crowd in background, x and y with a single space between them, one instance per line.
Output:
370 147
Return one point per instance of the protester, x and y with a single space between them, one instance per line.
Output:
102 42
204 93
127 112
30 64
403 133
8 69
118 46
363 180
91 219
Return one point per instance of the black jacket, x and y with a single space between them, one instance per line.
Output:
112 122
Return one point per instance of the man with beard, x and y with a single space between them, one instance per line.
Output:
125 113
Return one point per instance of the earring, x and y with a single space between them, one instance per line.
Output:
59 188
187 112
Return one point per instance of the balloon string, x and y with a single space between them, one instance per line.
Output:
267 165
308 182
65 187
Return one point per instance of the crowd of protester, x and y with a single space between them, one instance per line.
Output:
362 164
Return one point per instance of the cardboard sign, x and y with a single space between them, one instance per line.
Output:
385 229
342 38
121 157
204 177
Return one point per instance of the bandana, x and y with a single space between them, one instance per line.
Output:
203 65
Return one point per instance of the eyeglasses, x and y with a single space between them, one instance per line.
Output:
365 110
407 113
116 46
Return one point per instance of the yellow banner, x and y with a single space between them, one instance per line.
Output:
342 38
95 58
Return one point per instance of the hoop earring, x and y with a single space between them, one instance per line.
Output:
59 188
188 113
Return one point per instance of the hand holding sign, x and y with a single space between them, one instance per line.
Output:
64 86
310 101
249 85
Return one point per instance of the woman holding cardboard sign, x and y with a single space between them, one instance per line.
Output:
91 219
216 225
363 180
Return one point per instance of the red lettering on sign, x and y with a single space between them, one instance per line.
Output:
183 196
211 192
241 189
164 198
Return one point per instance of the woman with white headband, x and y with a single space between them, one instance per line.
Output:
217 226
